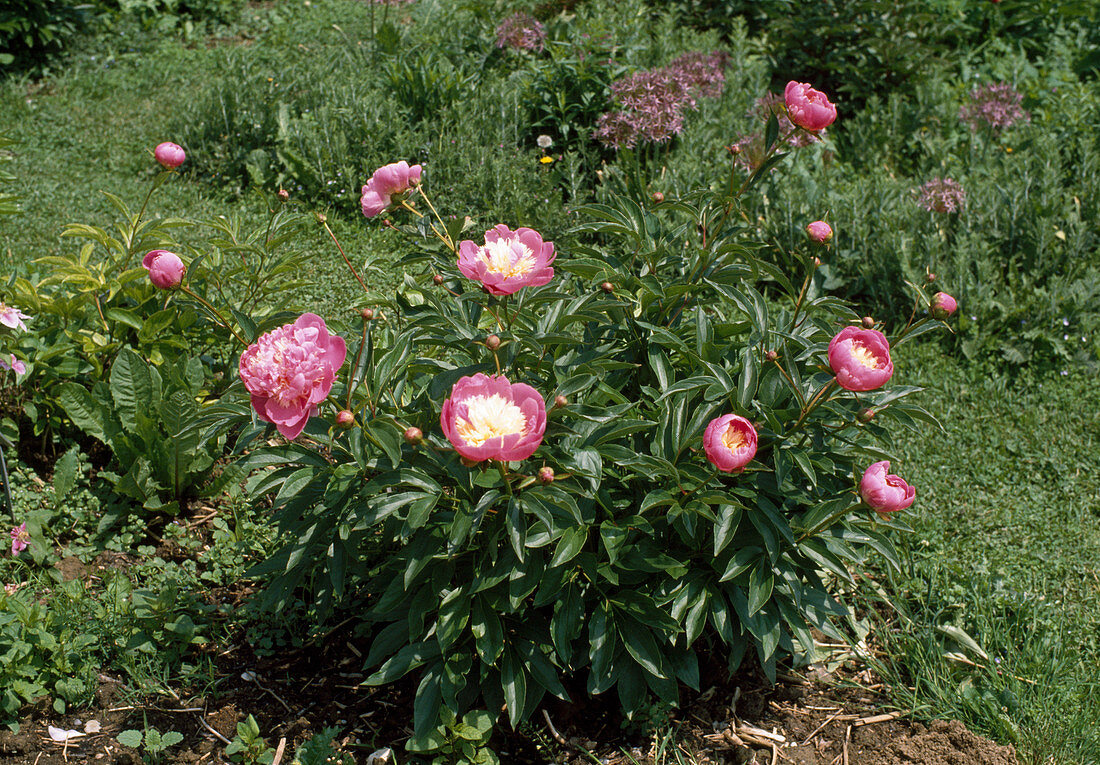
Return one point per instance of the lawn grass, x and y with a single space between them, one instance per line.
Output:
1005 546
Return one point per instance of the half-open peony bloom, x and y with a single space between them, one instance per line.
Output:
169 155
20 539
808 108
860 359
12 317
290 370
730 442
820 231
943 305
489 418
14 364
508 261
165 269
885 493
387 181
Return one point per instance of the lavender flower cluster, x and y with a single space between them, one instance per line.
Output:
749 149
653 101
521 31
997 105
941 195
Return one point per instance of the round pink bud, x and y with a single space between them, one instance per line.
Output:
658 197
607 287
437 280
730 442
885 493
943 305
820 231
546 475
865 415
808 108
560 401
165 269
367 314
931 277
771 355
414 436
283 194
344 419
860 359
169 155
492 342
867 322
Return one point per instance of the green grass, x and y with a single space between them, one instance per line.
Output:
1005 545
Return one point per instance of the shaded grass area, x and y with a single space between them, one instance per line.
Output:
1005 547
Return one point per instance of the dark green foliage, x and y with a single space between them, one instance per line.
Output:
33 30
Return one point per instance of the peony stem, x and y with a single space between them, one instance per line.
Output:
324 222
214 311
817 399
828 521
504 477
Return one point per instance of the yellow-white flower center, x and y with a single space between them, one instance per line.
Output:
489 417
734 439
508 257
864 356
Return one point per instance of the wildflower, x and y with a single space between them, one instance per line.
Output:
997 106
387 182
544 142
14 364
820 231
546 160
490 418
942 195
12 317
808 108
290 370
943 305
860 359
169 155
508 261
521 31
652 101
885 493
730 442
165 269
20 539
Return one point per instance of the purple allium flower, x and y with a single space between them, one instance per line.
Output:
997 105
942 195
521 31
652 101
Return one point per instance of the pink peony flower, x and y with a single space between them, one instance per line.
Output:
169 155
12 317
943 305
808 108
290 370
885 493
820 231
860 359
15 365
20 539
489 418
387 182
508 261
165 269
730 442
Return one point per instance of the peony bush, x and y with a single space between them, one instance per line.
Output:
538 472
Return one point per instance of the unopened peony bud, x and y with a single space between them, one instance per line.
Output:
284 194
820 231
771 355
367 314
868 322
492 342
734 149
344 419
169 155
413 436
546 475
165 269
865 415
607 287
943 305
560 401
658 197
931 277
437 280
